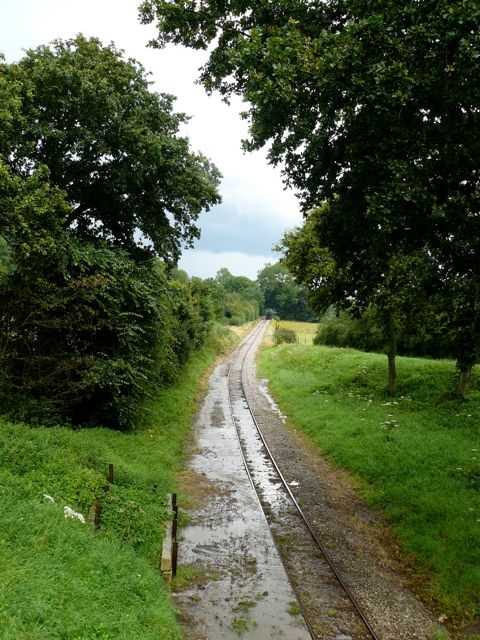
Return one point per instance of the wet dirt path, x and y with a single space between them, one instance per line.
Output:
243 589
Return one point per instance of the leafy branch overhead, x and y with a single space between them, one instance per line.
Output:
372 108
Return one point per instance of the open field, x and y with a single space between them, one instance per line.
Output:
416 456
305 331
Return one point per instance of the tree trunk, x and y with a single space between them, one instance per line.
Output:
463 382
392 370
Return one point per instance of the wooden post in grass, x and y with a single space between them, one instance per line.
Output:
97 514
174 534
175 516
174 558
168 561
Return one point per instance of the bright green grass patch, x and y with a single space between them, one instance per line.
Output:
415 456
60 579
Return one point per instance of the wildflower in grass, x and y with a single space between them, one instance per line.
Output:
389 425
70 513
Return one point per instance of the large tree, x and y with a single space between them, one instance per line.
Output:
334 85
373 107
282 294
110 143
95 181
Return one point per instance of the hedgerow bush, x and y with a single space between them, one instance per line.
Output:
81 336
428 339
84 338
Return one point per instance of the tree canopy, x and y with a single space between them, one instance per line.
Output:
243 298
282 294
96 184
110 143
332 85
371 106
374 109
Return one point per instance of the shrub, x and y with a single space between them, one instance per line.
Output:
428 339
82 336
284 335
359 333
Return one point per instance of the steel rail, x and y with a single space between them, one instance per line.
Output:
248 345
251 339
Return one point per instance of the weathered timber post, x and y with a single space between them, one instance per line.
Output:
168 561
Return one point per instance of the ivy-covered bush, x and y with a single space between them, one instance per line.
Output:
82 337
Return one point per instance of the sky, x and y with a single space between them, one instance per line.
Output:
256 210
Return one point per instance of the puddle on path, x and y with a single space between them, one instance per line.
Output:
263 389
247 593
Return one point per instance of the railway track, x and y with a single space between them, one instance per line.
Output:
326 601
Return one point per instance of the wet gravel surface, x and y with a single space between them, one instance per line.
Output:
236 566
240 588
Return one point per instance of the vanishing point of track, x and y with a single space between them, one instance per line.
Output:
286 518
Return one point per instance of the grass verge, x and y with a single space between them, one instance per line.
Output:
60 579
416 456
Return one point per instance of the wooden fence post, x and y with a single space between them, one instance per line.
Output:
168 561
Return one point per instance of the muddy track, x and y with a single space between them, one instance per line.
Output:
351 534
329 608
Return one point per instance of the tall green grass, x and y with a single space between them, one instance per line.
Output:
59 578
415 456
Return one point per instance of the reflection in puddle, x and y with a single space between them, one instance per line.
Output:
264 475
245 592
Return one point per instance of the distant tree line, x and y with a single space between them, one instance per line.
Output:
236 300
